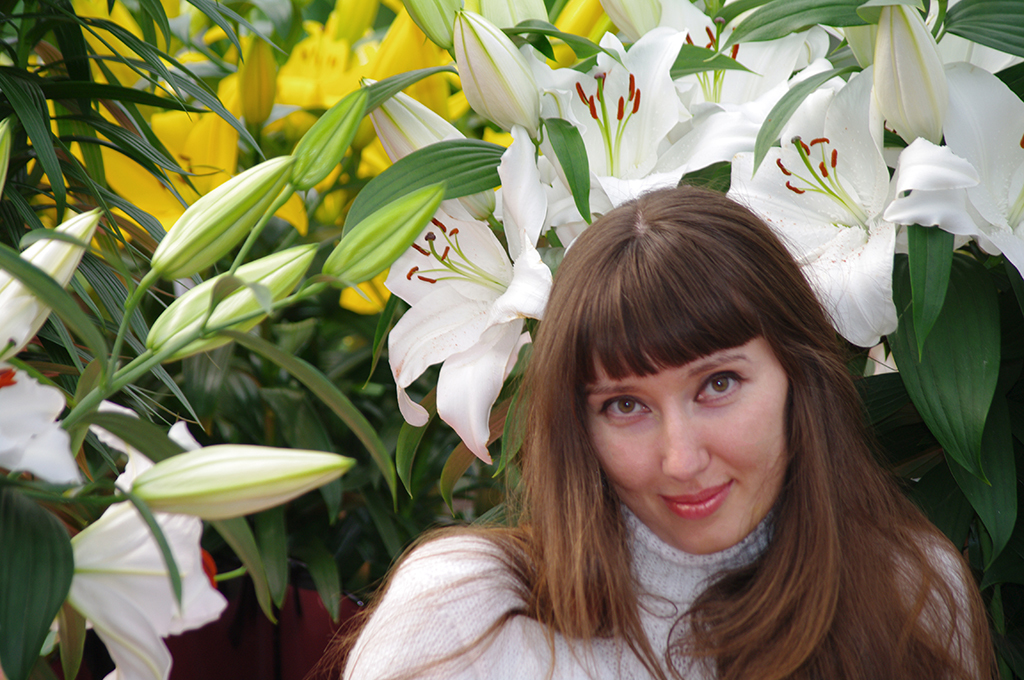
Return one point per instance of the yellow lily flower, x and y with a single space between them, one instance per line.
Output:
579 17
258 82
119 15
374 296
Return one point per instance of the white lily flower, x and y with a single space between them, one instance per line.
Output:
985 128
21 312
496 78
404 125
910 83
634 18
31 439
824 194
122 586
468 302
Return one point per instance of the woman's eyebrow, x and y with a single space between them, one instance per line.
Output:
712 362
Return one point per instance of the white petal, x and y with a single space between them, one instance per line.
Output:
524 203
527 295
414 414
470 382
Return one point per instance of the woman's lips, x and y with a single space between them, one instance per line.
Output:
698 505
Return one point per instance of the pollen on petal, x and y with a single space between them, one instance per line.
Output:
778 162
7 377
794 189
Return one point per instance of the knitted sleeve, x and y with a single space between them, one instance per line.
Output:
434 618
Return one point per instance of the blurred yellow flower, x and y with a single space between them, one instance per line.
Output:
579 17
374 296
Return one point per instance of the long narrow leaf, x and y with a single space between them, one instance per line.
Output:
323 388
567 142
931 259
324 570
137 433
383 90
384 323
35 576
998 24
779 18
272 534
237 534
581 47
466 166
29 104
785 108
694 59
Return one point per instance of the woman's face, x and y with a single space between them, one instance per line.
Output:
697 452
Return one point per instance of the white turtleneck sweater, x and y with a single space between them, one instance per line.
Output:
449 591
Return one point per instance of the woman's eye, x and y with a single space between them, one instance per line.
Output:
720 384
622 405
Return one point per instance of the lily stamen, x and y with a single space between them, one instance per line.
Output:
408 277
787 173
794 189
7 377
427 279
421 250
821 180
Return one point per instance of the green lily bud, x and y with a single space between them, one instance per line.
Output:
6 132
435 18
257 84
378 240
496 78
278 273
215 223
230 480
324 145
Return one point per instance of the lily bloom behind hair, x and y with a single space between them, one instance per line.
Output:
854 581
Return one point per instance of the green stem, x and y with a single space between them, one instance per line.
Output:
250 241
129 308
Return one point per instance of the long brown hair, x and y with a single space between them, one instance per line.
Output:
855 582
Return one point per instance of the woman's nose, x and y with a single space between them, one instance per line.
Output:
685 454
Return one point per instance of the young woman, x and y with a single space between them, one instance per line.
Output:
698 497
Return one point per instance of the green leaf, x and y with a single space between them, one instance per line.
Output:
384 323
581 47
466 166
456 465
786 107
220 14
409 438
567 142
952 384
694 59
995 503
29 103
383 90
1009 566
137 433
882 395
939 497
237 534
324 570
730 11
272 535
386 528
71 630
779 18
871 10
51 294
161 540
35 575
323 388
70 89
998 24
931 259
156 11
1013 77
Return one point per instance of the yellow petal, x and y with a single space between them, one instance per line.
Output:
294 213
376 295
405 48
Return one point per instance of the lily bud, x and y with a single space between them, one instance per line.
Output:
378 240
6 132
24 313
861 40
257 85
909 79
215 223
404 125
508 13
435 18
357 17
496 79
278 273
231 480
633 17
324 145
